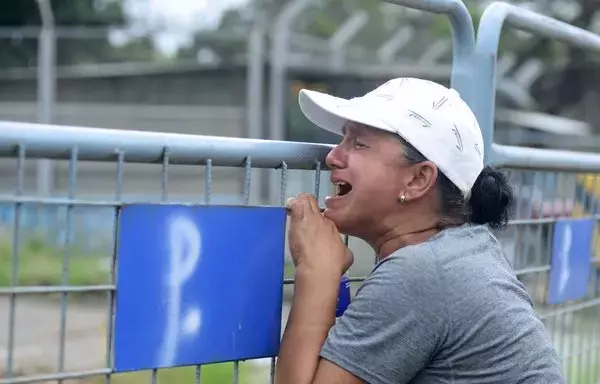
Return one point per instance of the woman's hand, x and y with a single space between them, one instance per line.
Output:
314 241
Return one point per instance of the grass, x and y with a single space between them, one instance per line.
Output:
210 374
41 264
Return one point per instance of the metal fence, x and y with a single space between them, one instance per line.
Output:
549 184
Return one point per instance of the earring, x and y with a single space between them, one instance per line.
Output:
403 198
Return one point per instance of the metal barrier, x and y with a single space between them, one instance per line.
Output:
548 190
483 100
533 227
74 144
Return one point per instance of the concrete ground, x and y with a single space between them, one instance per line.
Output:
37 337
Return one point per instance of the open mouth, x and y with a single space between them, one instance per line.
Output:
342 189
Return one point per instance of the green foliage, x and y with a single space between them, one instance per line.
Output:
23 52
18 13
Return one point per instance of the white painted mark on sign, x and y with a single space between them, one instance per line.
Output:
184 248
565 267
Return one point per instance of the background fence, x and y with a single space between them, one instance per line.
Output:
58 216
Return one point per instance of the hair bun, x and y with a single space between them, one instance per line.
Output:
491 198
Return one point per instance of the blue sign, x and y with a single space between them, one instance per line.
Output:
571 255
198 285
344 296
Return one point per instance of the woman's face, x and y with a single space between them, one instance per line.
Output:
369 168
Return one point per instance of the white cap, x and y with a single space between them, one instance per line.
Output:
432 118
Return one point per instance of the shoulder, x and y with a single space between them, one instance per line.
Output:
468 245
463 237
406 277
414 260
396 321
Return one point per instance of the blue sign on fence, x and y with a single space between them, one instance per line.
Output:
197 285
570 266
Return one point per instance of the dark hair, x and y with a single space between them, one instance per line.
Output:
490 201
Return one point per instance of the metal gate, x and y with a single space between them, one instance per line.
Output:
550 185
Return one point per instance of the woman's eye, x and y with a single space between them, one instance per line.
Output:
358 144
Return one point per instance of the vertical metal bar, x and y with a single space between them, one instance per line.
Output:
255 77
280 36
164 194
255 83
113 263
236 372
554 321
246 193
14 279
593 355
283 185
207 181
546 249
247 180
572 345
207 195
46 91
66 259
198 375
282 199
279 54
596 366
317 188
165 174
582 344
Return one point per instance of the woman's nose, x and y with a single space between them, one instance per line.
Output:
335 158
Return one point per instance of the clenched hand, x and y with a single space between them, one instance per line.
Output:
314 241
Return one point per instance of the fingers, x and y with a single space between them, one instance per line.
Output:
312 203
302 204
294 208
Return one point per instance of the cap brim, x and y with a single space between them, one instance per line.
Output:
331 113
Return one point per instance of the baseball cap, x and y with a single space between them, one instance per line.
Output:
432 118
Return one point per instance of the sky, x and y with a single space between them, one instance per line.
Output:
180 17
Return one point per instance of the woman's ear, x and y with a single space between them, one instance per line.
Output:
421 179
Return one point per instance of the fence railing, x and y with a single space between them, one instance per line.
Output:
550 190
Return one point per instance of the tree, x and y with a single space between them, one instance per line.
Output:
22 51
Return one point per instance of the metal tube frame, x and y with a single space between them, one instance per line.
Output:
97 144
463 38
483 102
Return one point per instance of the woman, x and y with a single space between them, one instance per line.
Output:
442 304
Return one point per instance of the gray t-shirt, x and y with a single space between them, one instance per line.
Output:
449 310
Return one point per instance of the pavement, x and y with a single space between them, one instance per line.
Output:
37 337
